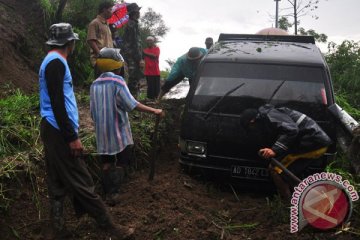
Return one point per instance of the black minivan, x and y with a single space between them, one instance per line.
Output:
246 71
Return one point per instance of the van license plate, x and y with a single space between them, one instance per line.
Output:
249 172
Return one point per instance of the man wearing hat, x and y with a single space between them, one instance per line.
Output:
184 67
110 102
67 174
152 70
132 49
209 42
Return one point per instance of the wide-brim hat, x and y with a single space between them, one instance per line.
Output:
194 53
60 34
133 7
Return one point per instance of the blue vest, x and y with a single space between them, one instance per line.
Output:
46 110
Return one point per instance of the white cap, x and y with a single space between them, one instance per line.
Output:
150 38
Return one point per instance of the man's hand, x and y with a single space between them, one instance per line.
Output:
76 148
159 112
267 153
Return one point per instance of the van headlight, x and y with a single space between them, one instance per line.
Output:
193 148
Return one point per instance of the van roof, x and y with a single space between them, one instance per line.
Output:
299 50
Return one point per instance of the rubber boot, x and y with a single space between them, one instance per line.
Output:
112 179
116 231
58 228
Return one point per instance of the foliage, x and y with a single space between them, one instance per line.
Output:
60 9
344 63
152 24
18 123
49 11
164 74
19 143
284 23
342 167
343 101
79 61
80 12
142 131
77 12
319 37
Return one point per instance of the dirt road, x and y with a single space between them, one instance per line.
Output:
176 206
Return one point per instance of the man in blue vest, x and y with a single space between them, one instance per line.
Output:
67 174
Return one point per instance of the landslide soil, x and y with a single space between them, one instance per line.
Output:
175 205
22 41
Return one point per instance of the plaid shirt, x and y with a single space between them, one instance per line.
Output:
110 102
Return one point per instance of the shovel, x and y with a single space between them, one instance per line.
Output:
275 162
155 143
286 171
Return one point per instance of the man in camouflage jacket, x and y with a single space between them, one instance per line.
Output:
132 51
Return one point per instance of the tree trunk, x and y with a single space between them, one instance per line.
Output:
59 11
295 17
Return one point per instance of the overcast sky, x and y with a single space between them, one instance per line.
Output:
191 21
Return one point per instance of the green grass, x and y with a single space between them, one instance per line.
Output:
19 121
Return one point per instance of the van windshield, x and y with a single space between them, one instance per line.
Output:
298 87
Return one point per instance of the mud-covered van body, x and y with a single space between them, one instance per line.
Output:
247 71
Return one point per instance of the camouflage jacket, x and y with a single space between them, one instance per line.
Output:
132 42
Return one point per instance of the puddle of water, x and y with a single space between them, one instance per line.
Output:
178 91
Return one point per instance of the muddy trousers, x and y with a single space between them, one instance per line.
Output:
135 74
67 175
297 164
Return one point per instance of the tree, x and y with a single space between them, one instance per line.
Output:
301 8
319 37
80 12
59 11
344 62
152 24
284 23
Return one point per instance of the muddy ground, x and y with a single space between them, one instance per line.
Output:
175 206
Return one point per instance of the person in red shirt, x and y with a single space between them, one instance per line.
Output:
152 71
